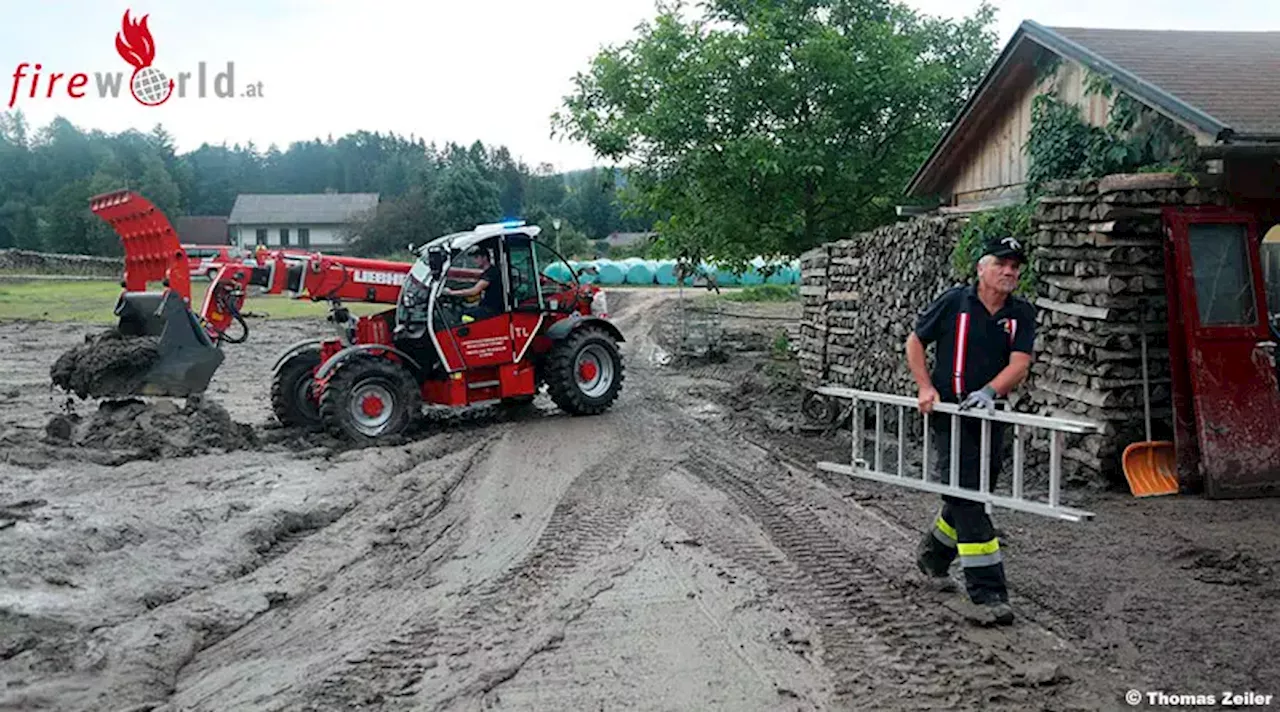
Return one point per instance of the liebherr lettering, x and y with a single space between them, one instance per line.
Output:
364 276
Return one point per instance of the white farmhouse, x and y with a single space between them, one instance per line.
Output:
315 221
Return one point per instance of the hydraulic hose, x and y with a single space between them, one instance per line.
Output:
228 303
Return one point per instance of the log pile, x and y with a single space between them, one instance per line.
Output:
1099 258
29 262
861 297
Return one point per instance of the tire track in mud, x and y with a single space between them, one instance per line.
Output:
879 645
473 647
311 573
883 649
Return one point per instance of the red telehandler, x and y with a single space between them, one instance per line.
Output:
369 382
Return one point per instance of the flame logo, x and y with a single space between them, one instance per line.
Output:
148 85
136 46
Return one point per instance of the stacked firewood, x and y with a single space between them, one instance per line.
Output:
29 262
1100 261
862 296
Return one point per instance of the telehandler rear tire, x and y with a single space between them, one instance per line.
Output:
370 400
584 373
291 397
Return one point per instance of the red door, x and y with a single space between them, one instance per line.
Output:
1226 349
485 342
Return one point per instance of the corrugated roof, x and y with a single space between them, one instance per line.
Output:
311 208
202 230
1232 76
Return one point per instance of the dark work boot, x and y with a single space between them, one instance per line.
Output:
931 579
989 613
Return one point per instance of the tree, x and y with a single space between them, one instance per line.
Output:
396 224
159 187
766 128
546 191
571 244
48 175
592 204
465 198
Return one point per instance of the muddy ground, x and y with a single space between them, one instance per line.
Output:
678 552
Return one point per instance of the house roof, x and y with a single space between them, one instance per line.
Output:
311 208
202 230
1233 77
1225 84
628 238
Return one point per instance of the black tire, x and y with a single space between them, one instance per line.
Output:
291 398
589 396
341 404
819 409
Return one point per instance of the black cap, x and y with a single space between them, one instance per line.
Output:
1007 246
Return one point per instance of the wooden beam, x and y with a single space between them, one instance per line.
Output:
1075 309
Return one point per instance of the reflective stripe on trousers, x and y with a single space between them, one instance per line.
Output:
944 533
986 553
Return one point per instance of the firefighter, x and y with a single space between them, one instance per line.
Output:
488 287
984 337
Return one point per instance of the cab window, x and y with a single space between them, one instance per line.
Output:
524 285
555 278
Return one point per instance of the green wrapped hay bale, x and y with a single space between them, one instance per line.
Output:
641 273
725 277
611 273
666 274
558 271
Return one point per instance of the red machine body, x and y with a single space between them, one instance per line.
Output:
425 350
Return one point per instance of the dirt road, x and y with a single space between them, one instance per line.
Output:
666 555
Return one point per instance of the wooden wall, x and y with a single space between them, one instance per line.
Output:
995 166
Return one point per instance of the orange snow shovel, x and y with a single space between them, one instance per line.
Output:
1150 466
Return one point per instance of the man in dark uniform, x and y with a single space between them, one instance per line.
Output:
985 338
488 286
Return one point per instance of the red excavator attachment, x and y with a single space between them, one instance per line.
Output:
161 345
152 252
184 356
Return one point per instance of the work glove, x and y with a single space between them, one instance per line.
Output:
983 398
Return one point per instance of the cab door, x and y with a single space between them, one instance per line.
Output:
1223 350
486 342
528 308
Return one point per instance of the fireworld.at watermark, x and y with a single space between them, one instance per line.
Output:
148 84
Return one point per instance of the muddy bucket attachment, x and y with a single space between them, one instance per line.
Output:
186 358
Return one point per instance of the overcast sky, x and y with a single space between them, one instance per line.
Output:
492 70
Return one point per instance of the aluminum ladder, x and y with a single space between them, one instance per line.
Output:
1057 428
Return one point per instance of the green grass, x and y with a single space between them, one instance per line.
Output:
93 302
764 293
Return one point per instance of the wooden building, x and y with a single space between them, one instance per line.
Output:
1191 264
1223 87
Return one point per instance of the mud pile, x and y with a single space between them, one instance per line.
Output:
106 364
153 430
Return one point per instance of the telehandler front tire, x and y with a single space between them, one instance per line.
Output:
584 372
370 400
